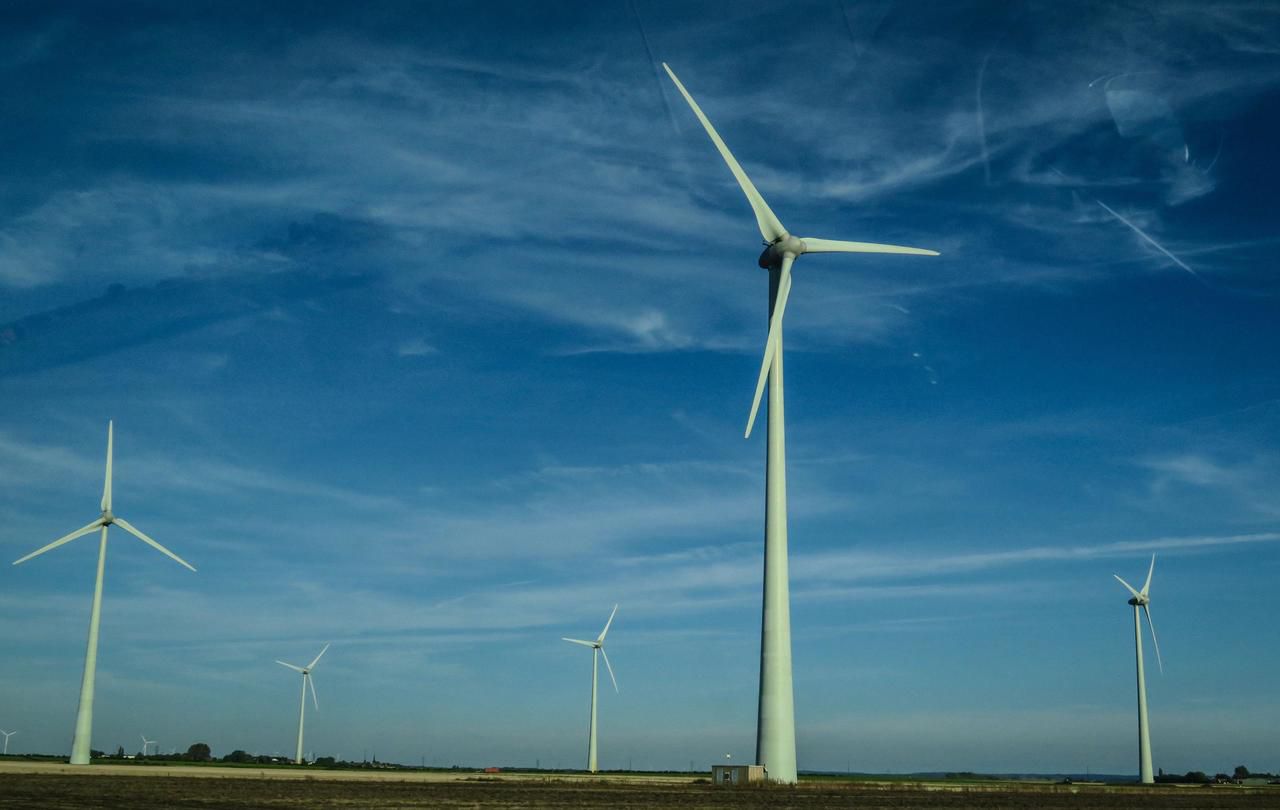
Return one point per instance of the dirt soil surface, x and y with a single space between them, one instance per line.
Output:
162 788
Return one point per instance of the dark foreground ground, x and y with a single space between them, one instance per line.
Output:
35 791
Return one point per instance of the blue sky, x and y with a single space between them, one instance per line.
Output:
430 332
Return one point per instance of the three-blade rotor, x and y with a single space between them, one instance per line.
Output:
781 247
1142 599
598 644
308 681
106 519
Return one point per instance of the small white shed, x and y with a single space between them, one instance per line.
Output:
737 774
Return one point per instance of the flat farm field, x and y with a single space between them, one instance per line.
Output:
163 788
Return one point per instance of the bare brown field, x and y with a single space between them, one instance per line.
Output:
60 788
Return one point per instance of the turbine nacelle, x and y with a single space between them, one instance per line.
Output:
107 517
777 250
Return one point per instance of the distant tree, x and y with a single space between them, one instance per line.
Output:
1241 772
199 752
1221 777
1199 777
120 752
325 762
95 754
238 755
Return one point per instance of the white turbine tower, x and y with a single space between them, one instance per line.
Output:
1141 602
306 681
146 742
597 650
776 726
84 715
7 735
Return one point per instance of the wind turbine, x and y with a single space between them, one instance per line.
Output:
776 727
7 735
1141 601
84 715
306 681
146 742
597 649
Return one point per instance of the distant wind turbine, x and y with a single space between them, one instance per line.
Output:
1141 601
80 748
597 649
776 724
146 742
7 735
306 681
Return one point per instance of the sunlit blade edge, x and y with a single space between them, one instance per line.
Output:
609 667
770 227
1128 586
316 660
106 485
815 245
1146 586
128 527
771 342
1159 662
605 631
60 541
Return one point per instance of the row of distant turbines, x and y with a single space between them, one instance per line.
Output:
775 729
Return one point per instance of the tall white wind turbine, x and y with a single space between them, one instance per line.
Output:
306 681
776 727
597 650
7 735
146 742
1141 602
80 747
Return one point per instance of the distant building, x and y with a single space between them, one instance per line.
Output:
737 774
492 769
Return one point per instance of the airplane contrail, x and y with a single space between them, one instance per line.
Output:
1150 241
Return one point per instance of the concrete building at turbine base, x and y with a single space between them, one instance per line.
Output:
737 774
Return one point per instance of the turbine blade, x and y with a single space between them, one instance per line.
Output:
312 683
67 539
1146 587
813 245
771 342
1147 609
605 631
317 658
579 641
770 228
291 666
610 668
106 487
129 527
1136 595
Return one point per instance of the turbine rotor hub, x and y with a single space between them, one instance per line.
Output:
1139 601
107 517
774 252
